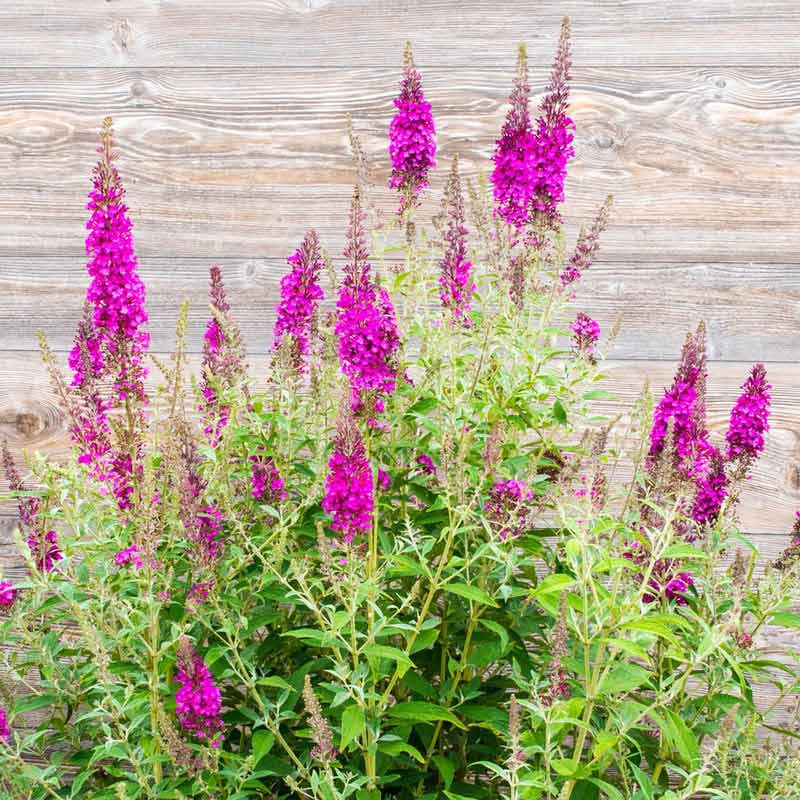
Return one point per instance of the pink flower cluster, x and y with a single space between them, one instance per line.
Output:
366 327
412 137
265 480
666 580
116 292
750 417
198 702
530 165
45 550
300 297
507 507
130 556
587 334
5 731
8 594
349 488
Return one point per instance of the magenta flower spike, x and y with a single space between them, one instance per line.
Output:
117 341
683 406
300 297
515 172
554 135
349 486
366 327
198 702
750 418
412 137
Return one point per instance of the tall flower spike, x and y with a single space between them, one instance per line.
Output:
588 245
515 172
5 731
349 486
223 359
198 702
554 135
683 407
324 750
366 326
300 298
455 281
750 418
116 292
412 137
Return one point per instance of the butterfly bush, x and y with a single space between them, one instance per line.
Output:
412 551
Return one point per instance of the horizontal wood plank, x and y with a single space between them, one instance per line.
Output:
657 303
370 32
704 163
31 421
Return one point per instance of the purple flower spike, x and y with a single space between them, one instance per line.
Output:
198 701
300 298
412 137
349 488
750 418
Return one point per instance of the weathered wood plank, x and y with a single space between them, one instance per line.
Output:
656 301
31 421
370 32
239 162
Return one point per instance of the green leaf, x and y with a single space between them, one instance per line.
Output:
418 711
611 791
559 414
404 663
446 769
786 619
276 682
394 748
684 551
424 640
622 678
262 744
311 635
353 724
472 593
497 628
33 701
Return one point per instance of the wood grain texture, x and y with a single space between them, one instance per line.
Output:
31 421
369 32
657 302
704 163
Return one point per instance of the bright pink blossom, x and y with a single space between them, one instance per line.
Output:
5 731
300 298
349 487
587 334
45 550
8 594
412 137
130 556
750 417
507 507
265 481
366 326
198 702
